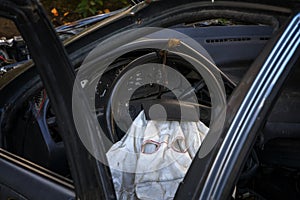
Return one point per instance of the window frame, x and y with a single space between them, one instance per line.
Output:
235 143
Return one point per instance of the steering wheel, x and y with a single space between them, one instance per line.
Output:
194 78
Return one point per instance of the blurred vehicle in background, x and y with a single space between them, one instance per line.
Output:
14 50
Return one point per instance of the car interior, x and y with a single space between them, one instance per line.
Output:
232 41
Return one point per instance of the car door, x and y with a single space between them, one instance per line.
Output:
21 179
216 172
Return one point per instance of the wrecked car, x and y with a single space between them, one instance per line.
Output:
164 100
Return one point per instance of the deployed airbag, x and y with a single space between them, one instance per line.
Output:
152 158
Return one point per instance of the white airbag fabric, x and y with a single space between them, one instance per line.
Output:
153 157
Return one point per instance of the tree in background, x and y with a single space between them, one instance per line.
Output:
65 11
92 7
